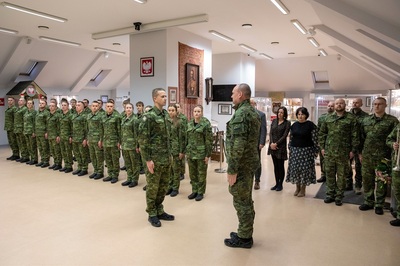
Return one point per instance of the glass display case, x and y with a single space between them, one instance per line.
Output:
264 104
394 103
291 105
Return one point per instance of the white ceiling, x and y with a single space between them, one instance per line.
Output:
336 24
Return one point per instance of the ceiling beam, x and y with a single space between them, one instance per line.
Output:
378 25
378 58
153 26
389 80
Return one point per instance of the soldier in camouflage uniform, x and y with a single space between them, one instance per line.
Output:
95 135
339 141
139 114
178 149
111 141
242 157
40 131
184 121
392 141
29 129
375 129
53 135
79 140
72 102
360 114
155 149
198 151
66 137
9 127
19 130
330 109
128 146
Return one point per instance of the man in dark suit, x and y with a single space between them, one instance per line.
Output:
261 141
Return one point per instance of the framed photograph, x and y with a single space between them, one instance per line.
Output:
147 66
368 102
224 109
172 95
104 98
192 80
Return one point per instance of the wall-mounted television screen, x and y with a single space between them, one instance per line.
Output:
222 93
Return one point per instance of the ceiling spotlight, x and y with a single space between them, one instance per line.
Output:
8 31
251 49
313 41
266 56
141 1
299 26
116 43
247 26
281 6
43 28
274 43
222 36
59 41
33 12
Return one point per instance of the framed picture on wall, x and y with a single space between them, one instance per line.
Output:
224 109
368 102
104 98
172 95
192 80
147 66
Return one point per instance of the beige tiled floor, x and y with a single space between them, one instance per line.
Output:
52 218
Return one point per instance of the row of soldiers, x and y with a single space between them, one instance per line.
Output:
370 139
91 134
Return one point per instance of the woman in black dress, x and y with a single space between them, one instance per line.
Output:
303 149
278 146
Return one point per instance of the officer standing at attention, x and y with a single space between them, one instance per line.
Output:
360 114
9 127
339 141
66 137
330 108
19 130
40 131
53 136
154 147
375 129
79 139
95 135
29 126
261 143
184 122
111 141
242 157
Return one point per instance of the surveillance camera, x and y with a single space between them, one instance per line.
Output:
248 54
137 25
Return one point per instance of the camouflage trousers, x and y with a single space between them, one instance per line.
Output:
66 153
336 170
12 141
22 145
43 145
322 164
157 186
243 202
368 177
358 175
182 166
111 155
55 151
32 147
396 191
80 153
132 163
198 175
96 157
176 171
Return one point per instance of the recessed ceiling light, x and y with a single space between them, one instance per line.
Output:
141 1
43 27
274 43
281 6
322 52
59 41
266 56
116 43
33 12
313 41
291 53
220 35
247 26
251 49
299 26
108 50
8 31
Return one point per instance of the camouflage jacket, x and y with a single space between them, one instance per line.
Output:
65 126
53 125
178 137
128 133
154 136
95 127
242 136
9 118
374 132
41 122
29 122
111 129
199 139
19 119
79 127
339 135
